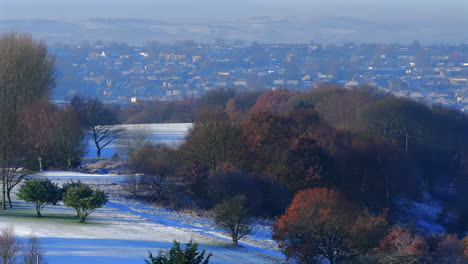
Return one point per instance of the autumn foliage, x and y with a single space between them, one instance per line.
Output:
323 223
402 244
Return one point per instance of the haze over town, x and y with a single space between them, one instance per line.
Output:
322 21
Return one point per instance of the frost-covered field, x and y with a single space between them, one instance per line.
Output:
172 134
125 230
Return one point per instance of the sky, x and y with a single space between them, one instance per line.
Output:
438 20
187 10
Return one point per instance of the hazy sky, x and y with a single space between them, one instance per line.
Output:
186 10
437 21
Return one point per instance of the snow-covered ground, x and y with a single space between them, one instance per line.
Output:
125 230
172 134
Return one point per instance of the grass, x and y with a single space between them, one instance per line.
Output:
51 213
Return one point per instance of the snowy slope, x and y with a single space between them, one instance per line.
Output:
124 230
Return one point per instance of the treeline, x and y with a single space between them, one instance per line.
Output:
162 111
157 112
35 134
372 147
144 112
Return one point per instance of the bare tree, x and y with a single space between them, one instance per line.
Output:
99 121
7 150
214 140
33 252
35 123
12 161
132 184
26 70
26 75
68 138
9 245
133 139
103 135
13 176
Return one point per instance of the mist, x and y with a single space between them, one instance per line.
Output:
437 21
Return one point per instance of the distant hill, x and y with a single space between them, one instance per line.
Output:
262 29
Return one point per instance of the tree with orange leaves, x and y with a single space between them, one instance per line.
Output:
272 100
465 245
322 224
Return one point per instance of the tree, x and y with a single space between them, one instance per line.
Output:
233 216
272 100
156 163
26 75
309 165
238 106
40 192
12 176
84 200
132 184
177 255
214 140
68 138
26 71
321 223
132 140
450 250
8 153
36 123
268 137
33 252
465 245
401 121
9 245
100 125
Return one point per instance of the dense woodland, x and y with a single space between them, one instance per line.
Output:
330 164
346 156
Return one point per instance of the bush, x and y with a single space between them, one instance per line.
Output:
177 255
263 196
84 199
40 192
233 217
157 164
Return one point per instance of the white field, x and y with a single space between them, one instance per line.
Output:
125 230
171 134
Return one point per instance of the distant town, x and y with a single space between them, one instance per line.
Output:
123 74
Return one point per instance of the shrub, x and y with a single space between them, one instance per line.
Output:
233 217
177 255
84 199
40 192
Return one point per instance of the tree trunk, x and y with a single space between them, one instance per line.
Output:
39 159
3 192
98 152
406 141
82 218
9 198
69 164
38 210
